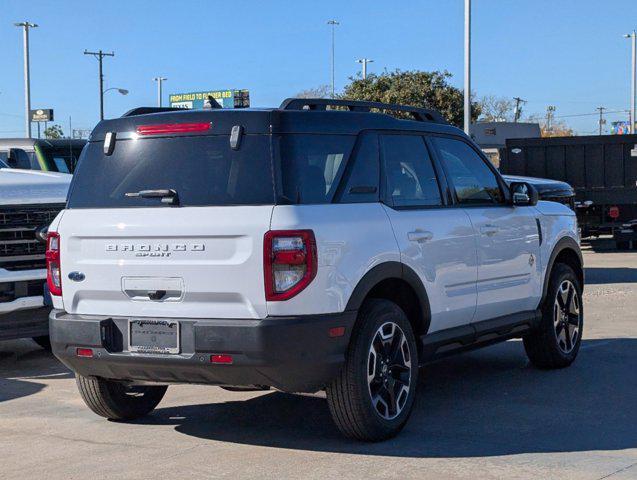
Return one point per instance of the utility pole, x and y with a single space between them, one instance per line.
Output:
100 56
550 111
333 23
159 80
467 66
364 61
518 110
601 117
27 77
633 81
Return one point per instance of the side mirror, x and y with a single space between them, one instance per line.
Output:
523 194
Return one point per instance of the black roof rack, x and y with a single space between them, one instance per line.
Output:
145 110
418 114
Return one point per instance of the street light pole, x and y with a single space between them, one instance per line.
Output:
467 66
364 61
333 23
633 81
159 80
27 77
100 56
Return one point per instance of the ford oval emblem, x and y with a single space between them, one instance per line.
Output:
76 276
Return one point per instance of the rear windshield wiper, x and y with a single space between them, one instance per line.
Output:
168 196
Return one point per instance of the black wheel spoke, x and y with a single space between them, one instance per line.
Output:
395 350
569 298
569 340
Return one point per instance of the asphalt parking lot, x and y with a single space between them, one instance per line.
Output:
482 415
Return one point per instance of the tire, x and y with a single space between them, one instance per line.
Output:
556 341
357 412
44 341
117 401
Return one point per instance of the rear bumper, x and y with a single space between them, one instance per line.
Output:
294 354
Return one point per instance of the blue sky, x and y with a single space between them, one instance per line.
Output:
567 53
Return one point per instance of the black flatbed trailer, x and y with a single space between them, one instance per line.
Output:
602 169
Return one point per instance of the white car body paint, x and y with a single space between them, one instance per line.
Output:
29 187
224 279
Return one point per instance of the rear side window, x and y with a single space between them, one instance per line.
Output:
363 172
204 171
410 177
474 182
312 165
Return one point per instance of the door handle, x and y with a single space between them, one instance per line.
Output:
420 236
489 230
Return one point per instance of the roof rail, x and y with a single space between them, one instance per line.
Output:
418 114
145 110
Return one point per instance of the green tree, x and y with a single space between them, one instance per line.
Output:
53 132
414 88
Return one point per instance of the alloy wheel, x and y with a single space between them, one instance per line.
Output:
566 316
389 370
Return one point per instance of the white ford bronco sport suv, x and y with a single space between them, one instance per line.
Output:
318 245
29 201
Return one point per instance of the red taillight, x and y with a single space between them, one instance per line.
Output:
53 273
221 358
289 262
163 128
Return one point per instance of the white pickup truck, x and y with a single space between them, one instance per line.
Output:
29 201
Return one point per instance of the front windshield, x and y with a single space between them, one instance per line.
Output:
3 165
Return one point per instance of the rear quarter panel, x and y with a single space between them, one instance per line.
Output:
351 239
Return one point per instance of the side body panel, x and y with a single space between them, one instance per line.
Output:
439 245
509 273
351 240
558 222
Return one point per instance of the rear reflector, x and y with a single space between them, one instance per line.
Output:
336 332
85 352
613 212
163 128
225 359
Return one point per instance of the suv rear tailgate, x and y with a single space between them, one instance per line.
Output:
193 262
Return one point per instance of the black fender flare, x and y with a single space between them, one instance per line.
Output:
386 271
564 243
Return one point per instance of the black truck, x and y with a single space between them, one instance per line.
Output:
602 169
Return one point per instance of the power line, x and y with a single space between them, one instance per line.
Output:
592 113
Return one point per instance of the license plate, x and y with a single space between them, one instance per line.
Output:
153 336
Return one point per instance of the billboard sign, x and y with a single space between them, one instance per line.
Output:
41 115
620 128
232 98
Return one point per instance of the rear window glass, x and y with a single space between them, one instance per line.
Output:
312 165
203 170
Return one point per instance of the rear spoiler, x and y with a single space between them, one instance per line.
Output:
146 110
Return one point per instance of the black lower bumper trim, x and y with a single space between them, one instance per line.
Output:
294 354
